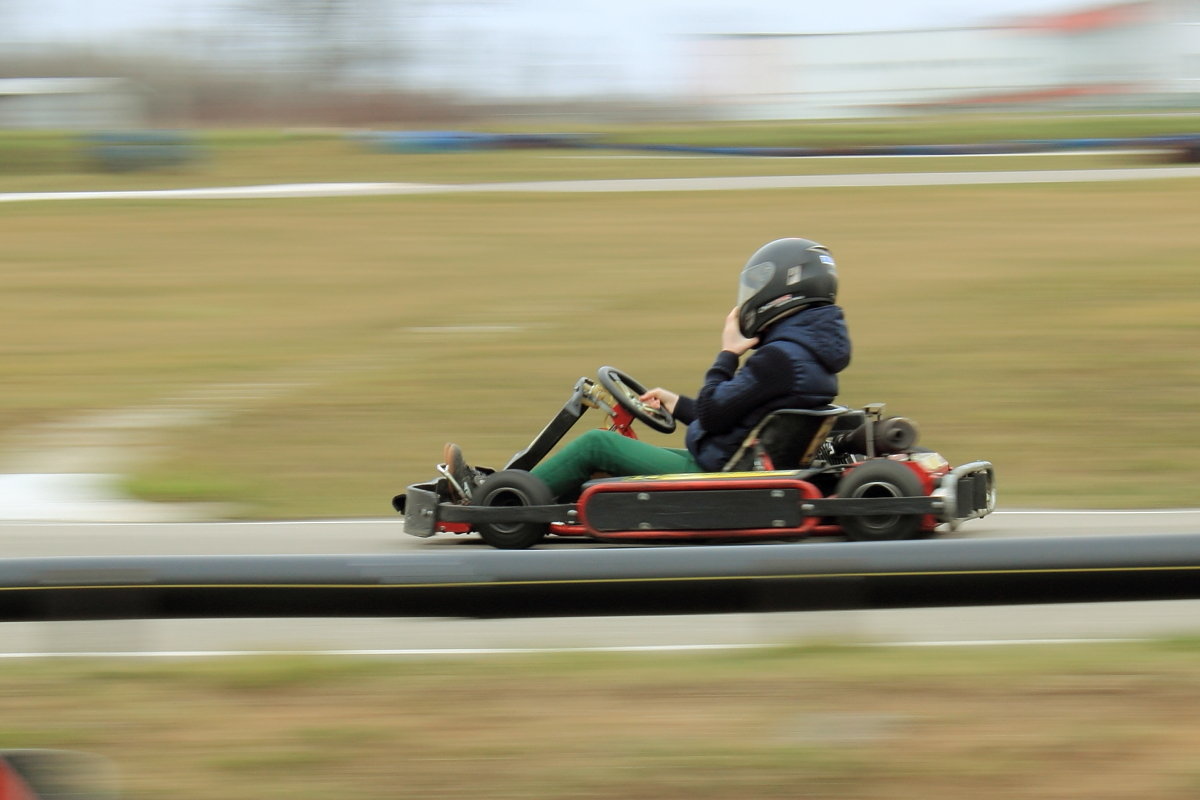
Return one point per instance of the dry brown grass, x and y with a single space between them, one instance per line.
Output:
1087 721
1050 328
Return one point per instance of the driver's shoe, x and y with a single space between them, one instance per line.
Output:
463 478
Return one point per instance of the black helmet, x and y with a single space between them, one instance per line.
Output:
784 276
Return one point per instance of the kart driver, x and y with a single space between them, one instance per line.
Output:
787 314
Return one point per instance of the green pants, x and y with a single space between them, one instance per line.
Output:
610 452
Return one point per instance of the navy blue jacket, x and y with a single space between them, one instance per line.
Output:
794 366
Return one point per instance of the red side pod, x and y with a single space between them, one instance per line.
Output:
702 513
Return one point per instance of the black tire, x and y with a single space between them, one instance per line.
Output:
880 478
512 488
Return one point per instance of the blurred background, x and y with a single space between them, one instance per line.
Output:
124 63
280 357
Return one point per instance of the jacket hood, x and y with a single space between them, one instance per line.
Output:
821 330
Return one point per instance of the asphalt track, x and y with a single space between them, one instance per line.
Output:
429 636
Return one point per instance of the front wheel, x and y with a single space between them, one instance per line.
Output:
512 488
883 479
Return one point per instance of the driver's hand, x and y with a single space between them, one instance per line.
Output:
660 398
731 336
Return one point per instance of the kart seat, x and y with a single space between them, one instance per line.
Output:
785 439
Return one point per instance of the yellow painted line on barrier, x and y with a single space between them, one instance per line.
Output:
599 581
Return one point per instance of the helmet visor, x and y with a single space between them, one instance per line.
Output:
754 278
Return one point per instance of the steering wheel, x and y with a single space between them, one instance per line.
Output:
627 392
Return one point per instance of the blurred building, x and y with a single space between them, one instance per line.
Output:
1144 53
68 103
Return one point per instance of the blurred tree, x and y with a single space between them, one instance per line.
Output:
339 62
332 44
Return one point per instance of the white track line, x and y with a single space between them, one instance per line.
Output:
506 651
36 523
394 520
1098 512
397 520
743 183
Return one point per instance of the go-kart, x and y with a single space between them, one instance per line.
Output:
799 473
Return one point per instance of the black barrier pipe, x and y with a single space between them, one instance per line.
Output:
1183 143
597 582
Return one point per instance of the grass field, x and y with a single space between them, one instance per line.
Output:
1098 721
330 346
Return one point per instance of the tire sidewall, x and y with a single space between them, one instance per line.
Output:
880 478
512 488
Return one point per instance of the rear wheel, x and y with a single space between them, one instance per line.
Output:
882 479
512 488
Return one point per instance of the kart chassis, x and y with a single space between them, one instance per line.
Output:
760 503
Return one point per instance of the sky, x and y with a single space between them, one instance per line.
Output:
788 16
542 47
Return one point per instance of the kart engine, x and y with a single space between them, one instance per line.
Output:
875 437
